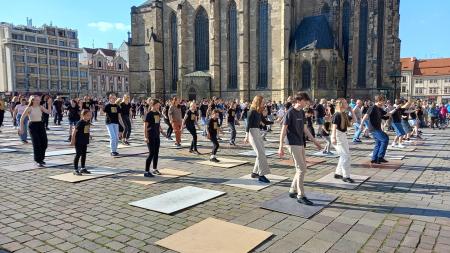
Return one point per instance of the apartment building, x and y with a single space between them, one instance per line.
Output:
426 79
40 59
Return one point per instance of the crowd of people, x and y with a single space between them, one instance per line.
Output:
302 120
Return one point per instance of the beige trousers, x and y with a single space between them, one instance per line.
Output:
298 154
342 148
261 166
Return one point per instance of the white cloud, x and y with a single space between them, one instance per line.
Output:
108 26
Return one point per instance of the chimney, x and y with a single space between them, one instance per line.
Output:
110 46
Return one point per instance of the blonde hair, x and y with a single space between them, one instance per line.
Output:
31 100
257 104
118 101
345 122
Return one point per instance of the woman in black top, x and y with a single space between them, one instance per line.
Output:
253 136
231 119
112 120
73 115
80 139
189 121
165 115
152 130
125 109
213 130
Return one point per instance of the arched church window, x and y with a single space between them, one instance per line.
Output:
201 40
306 75
232 51
174 49
322 75
346 14
362 49
325 9
380 32
263 27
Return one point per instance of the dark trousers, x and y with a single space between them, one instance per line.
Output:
215 144
232 126
2 116
95 115
153 153
45 118
434 122
81 150
220 119
169 128
127 129
39 140
58 118
193 132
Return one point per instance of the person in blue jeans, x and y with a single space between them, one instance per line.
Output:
112 120
18 111
375 114
357 112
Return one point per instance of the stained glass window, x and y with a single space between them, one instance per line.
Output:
362 52
306 75
174 44
263 43
201 40
232 51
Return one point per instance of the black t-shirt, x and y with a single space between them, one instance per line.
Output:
87 105
82 135
327 127
190 118
320 111
203 110
112 114
295 121
244 113
397 115
337 119
74 113
133 107
154 121
332 110
213 126
309 121
231 115
58 106
376 115
364 110
125 109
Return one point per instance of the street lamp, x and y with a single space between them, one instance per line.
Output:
396 75
27 75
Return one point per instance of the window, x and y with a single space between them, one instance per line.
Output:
32 70
62 43
83 74
403 89
53 52
30 38
20 69
419 90
74 64
174 44
201 40
362 49
403 79
65 73
120 66
63 53
43 61
42 50
433 90
346 12
232 46
61 33
306 75
32 50
73 44
17 36
74 73
43 71
72 35
19 58
54 72
53 41
380 44
42 40
447 90
263 26
73 55
322 75
63 63
419 81
31 59
433 81
99 64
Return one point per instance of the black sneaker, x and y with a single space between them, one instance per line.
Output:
337 176
304 200
156 172
148 174
382 160
348 180
375 161
214 160
114 154
77 173
293 195
40 165
191 151
84 171
254 175
263 179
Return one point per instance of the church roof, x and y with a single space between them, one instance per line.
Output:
313 32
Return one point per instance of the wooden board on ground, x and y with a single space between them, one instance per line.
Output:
215 236
166 174
401 149
95 173
390 157
393 165
202 151
329 180
224 163
32 166
60 152
8 150
249 183
177 200
284 204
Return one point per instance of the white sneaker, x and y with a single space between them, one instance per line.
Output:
400 146
393 145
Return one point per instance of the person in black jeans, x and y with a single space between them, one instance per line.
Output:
213 129
58 107
80 139
45 116
231 119
189 122
125 108
167 121
152 130
73 115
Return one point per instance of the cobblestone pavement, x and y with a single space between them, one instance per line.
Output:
403 210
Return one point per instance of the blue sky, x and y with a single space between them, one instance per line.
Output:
423 29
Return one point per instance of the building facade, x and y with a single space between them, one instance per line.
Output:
107 70
426 79
40 59
239 48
